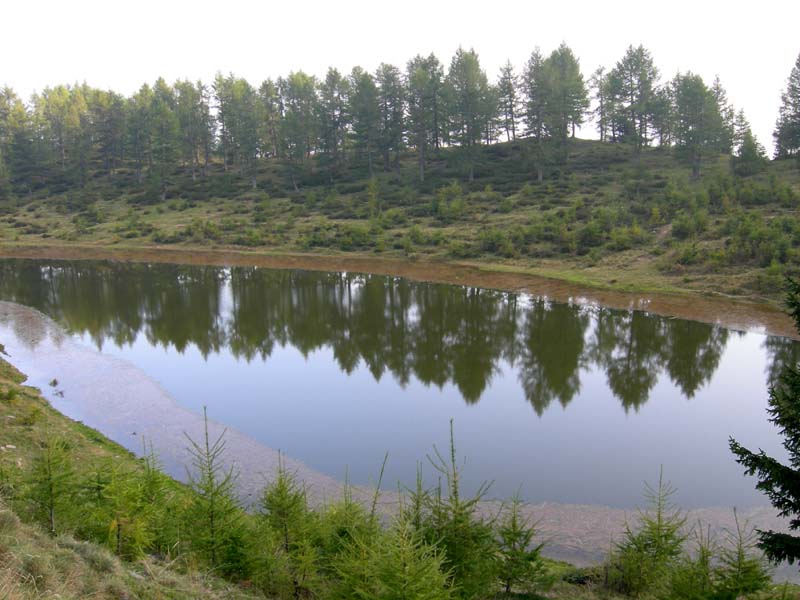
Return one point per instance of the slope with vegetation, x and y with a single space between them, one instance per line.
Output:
676 194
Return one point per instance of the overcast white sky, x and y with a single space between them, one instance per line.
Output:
119 45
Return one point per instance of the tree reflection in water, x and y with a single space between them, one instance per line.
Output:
438 334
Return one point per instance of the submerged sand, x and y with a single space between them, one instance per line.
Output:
122 402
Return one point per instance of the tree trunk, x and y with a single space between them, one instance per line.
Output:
421 162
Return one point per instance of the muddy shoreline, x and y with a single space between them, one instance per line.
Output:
119 400
726 312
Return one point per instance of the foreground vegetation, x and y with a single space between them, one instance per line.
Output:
81 516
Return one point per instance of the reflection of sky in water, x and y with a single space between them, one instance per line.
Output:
592 451
611 387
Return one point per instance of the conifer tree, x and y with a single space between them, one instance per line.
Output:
391 111
423 80
51 482
467 541
287 521
521 564
750 158
508 96
787 129
779 481
469 107
566 98
126 514
365 115
635 92
406 568
214 517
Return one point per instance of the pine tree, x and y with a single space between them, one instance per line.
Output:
780 482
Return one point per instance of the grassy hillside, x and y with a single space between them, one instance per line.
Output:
34 564
603 217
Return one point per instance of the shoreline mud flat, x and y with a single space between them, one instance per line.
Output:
727 312
116 398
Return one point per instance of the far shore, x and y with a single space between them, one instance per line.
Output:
730 312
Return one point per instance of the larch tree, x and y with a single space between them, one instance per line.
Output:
727 117
566 97
697 120
469 108
270 127
365 113
787 129
509 100
334 93
534 88
140 129
299 124
108 110
164 133
190 122
391 113
636 80
599 86
423 83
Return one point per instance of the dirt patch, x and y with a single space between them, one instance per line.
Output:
727 312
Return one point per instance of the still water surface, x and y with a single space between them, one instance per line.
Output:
571 403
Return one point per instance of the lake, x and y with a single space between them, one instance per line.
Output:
567 403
